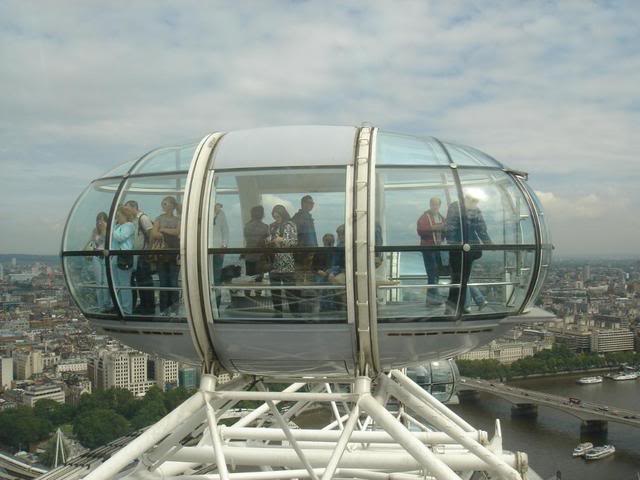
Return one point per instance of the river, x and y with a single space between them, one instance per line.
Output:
550 438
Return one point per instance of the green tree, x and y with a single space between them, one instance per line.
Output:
19 428
150 412
175 397
96 427
54 412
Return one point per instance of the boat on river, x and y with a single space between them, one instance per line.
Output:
582 448
589 380
625 376
597 453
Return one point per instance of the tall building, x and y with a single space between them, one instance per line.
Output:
6 372
164 372
120 369
611 340
27 364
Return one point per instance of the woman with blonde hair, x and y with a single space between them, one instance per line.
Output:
122 238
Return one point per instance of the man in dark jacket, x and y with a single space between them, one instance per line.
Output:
477 232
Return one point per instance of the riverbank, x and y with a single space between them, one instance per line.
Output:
564 373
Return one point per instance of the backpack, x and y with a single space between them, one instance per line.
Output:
140 239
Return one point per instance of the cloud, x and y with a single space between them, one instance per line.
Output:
548 88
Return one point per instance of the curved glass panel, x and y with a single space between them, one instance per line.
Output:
497 210
413 209
86 226
545 232
439 378
416 285
498 281
276 245
542 275
396 149
168 159
120 170
147 221
317 146
412 206
87 277
467 156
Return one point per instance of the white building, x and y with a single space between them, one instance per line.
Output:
611 340
32 394
71 365
121 369
6 372
505 352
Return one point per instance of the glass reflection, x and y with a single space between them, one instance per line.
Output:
88 283
497 206
82 222
156 203
439 378
276 250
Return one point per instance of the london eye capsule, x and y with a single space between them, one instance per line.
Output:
308 251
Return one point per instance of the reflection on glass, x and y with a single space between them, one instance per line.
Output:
498 208
499 282
88 282
404 291
542 275
140 290
277 244
438 378
412 205
82 223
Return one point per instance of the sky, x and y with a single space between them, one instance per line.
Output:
550 88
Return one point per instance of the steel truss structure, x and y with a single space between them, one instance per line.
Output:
388 428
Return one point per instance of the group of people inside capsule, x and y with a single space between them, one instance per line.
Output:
134 230
435 229
267 255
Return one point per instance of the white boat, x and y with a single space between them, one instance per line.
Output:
625 376
582 448
597 453
589 380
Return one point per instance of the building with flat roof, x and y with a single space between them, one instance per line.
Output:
121 369
34 393
612 340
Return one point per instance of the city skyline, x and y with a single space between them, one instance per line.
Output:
545 88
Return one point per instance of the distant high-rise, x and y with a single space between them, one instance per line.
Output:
6 372
27 364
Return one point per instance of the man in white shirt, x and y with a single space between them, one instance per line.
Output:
141 275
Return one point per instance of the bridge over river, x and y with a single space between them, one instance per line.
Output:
593 415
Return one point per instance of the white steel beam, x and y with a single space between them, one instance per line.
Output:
277 435
392 460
